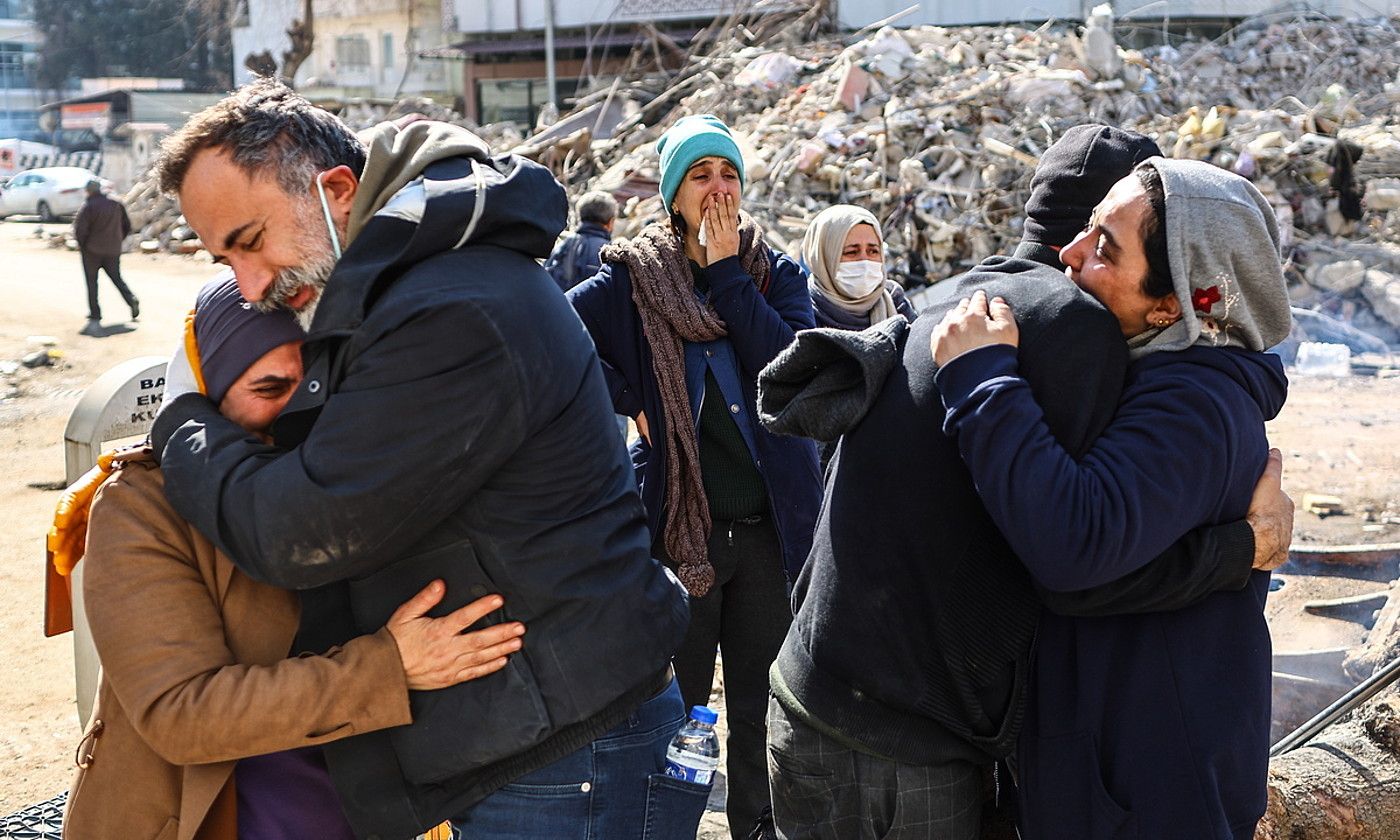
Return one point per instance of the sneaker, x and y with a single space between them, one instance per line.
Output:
93 328
135 309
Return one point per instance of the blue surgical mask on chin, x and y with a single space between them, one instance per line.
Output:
326 208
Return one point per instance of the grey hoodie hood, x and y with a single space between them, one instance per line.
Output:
426 189
396 156
1223 246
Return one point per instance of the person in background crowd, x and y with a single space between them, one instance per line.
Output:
575 258
201 719
100 228
1185 255
845 253
684 317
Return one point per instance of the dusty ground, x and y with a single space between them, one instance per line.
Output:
1341 437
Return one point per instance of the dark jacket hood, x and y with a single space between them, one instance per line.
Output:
439 194
1261 375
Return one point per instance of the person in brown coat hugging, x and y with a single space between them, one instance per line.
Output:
204 728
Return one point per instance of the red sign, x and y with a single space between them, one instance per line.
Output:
94 115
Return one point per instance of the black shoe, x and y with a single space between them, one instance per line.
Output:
135 309
93 328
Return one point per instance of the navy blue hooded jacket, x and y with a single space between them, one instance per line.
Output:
575 258
1152 725
760 325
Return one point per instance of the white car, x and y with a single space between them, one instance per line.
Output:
49 192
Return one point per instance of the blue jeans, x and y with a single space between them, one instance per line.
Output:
615 788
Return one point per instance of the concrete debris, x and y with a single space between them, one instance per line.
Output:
1323 505
937 131
39 358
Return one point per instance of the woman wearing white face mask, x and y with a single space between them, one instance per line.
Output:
845 253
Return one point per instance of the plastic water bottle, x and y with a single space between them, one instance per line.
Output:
694 752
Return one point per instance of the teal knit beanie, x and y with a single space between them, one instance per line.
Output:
690 139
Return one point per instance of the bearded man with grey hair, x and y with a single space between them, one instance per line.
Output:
446 428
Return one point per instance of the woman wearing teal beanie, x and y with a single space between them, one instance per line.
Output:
684 317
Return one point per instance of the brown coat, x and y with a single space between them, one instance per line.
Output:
195 675
101 226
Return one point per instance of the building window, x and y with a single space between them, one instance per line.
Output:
517 100
387 39
15 10
352 52
15 72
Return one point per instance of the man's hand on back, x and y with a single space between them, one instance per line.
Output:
1271 516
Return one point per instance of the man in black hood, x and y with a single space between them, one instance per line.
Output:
450 426
905 670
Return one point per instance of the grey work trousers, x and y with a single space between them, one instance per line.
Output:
824 790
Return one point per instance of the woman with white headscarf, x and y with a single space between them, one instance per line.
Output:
844 252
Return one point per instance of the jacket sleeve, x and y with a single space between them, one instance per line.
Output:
1210 559
424 416
161 639
1077 524
558 266
82 224
595 300
588 260
901 302
760 327
126 221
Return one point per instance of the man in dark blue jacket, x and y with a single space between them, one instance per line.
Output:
446 428
575 258
907 665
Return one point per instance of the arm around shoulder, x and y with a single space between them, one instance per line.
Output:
161 637
426 413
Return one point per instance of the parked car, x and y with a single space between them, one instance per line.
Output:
50 192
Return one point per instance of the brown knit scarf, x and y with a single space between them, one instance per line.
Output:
663 290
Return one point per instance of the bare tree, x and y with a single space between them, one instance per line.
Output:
303 39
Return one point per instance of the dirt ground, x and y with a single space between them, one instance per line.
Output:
1340 437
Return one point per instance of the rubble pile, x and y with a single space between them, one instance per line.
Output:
156 223
937 131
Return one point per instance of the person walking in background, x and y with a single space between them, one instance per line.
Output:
684 317
845 253
575 258
100 227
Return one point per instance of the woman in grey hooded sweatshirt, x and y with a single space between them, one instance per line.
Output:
1151 725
